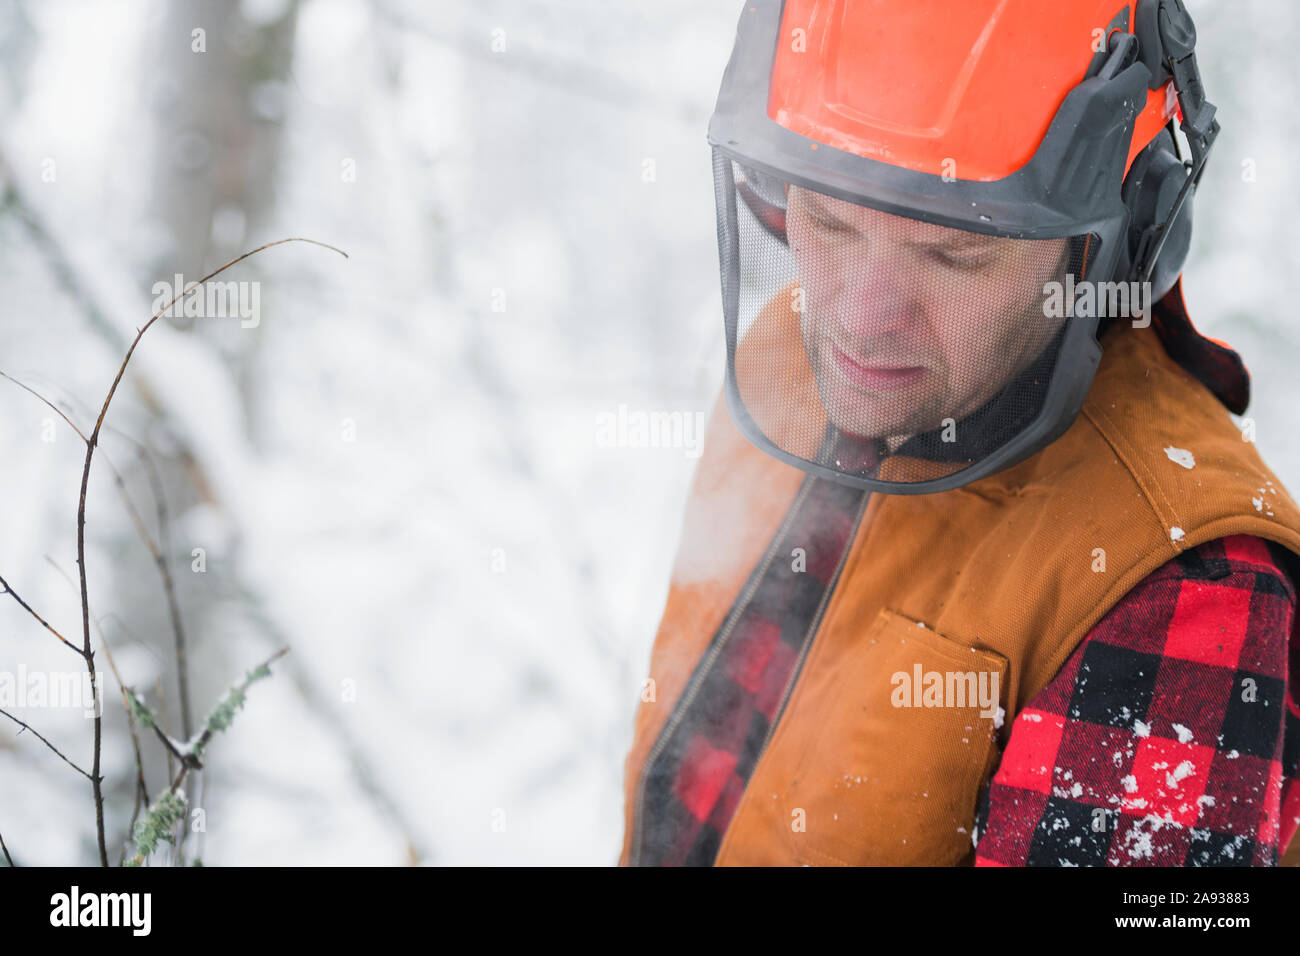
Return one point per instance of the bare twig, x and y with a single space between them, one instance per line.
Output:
161 551
27 607
160 692
91 443
54 408
170 745
80 289
141 786
26 726
8 859
159 555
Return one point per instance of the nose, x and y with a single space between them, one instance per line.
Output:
873 292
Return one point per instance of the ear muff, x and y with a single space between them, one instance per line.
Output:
1149 192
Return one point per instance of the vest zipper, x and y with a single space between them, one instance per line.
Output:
737 609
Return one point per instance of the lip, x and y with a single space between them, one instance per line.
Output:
876 377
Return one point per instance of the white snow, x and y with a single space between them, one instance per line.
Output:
1180 773
476 689
1181 456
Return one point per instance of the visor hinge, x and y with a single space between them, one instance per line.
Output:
1167 36
1121 53
1178 46
1165 29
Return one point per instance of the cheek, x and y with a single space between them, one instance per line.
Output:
823 262
977 320
814 262
993 306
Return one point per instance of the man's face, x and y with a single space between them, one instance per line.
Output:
907 323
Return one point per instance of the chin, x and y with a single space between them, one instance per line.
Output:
859 413
864 426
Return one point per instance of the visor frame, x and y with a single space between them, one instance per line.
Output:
1070 187
1075 365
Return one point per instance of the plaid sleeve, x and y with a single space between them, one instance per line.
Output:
1171 737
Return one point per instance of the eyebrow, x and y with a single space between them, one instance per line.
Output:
961 241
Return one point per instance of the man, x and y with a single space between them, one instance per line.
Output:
976 565
890 357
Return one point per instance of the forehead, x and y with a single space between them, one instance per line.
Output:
803 200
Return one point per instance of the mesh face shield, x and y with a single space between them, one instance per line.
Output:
886 352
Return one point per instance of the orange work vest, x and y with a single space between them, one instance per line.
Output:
1006 575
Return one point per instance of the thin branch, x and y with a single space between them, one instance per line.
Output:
26 726
99 422
54 408
68 275
136 518
194 747
160 692
160 550
8 859
163 549
190 757
91 443
172 747
159 554
141 786
80 288
27 607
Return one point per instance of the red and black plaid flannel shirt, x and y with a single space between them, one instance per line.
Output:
1171 737
1163 732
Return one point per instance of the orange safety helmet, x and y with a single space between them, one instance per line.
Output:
924 208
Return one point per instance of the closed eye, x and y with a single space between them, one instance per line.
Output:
832 225
967 262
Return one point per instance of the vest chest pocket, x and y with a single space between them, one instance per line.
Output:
897 736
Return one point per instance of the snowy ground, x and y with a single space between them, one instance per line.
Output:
398 472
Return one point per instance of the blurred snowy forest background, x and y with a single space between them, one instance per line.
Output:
398 472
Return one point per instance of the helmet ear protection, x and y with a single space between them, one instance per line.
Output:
1150 192
1160 184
